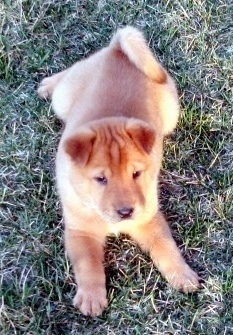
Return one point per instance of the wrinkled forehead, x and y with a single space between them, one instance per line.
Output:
116 150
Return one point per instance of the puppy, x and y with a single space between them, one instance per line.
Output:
117 106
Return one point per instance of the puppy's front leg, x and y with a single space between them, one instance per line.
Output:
87 255
156 238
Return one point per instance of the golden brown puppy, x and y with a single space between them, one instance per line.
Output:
117 106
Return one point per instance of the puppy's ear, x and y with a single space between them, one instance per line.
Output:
79 147
142 134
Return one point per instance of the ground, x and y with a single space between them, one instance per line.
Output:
194 40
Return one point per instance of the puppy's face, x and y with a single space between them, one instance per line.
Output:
112 169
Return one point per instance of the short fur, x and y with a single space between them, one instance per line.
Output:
117 106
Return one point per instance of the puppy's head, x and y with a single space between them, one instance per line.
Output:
112 168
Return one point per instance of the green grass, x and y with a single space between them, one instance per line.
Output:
194 40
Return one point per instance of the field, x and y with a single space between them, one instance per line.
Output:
194 40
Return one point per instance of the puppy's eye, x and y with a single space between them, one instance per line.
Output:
101 180
136 174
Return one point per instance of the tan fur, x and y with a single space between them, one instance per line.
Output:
117 106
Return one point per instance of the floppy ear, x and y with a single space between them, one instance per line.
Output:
143 135
79 147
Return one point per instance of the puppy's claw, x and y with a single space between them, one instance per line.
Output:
91 302
184 279
44 90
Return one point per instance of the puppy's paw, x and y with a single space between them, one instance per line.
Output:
91 301
45 88
183 278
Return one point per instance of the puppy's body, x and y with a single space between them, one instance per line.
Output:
117 106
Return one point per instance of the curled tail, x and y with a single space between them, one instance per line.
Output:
133 44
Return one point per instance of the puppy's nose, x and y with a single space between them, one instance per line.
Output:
125 212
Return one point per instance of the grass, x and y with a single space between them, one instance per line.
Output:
194 40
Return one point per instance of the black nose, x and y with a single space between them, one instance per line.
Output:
125 212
